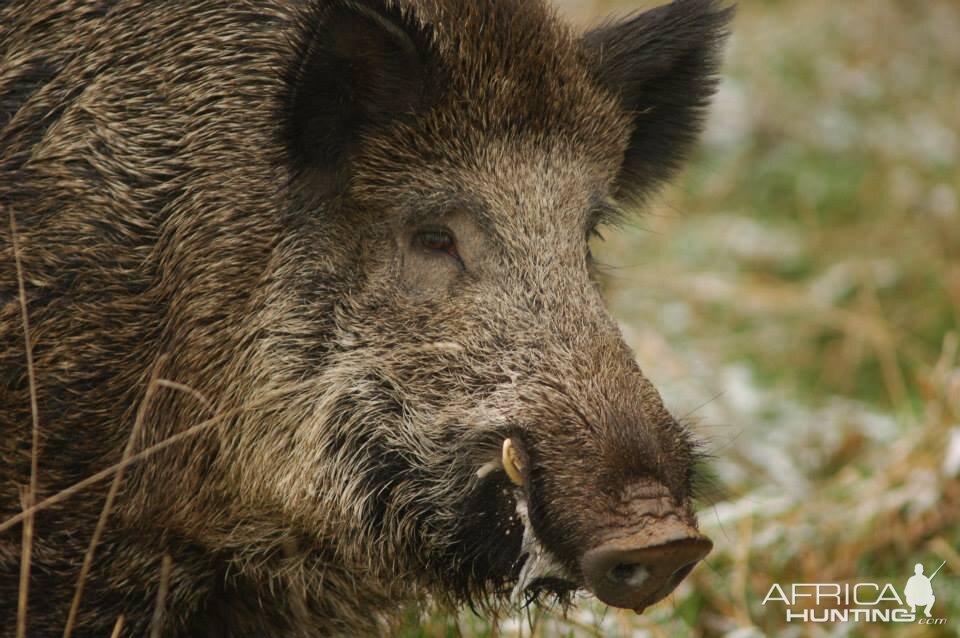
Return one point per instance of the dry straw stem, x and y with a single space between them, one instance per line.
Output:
106 473
117 628
31 494
149 451
159 610
115 485
29 504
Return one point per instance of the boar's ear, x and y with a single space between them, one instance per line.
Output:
662 66
361 64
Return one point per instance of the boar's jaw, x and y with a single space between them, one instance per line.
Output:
631 572
637 563
541 572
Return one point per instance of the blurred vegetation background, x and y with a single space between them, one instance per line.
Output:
796 295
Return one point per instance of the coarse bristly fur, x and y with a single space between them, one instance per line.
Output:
359 229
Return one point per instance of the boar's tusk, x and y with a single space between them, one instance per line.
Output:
488 467
511 463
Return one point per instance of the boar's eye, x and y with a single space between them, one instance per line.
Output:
437 241
593 234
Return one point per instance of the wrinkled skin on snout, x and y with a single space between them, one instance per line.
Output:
356 238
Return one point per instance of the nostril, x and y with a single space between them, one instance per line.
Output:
635 574
629 574
681 573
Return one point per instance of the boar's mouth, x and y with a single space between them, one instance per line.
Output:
638 566
542 576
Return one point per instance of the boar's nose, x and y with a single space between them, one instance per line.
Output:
637 571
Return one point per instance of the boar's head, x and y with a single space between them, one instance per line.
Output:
476 424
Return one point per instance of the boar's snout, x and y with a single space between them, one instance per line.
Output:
635 571
610 490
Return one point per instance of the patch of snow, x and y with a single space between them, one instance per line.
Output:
951 460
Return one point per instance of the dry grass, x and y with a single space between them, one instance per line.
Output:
30 495
30 506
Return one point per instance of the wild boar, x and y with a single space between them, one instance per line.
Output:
321 269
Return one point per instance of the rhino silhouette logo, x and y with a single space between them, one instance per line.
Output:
919 591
